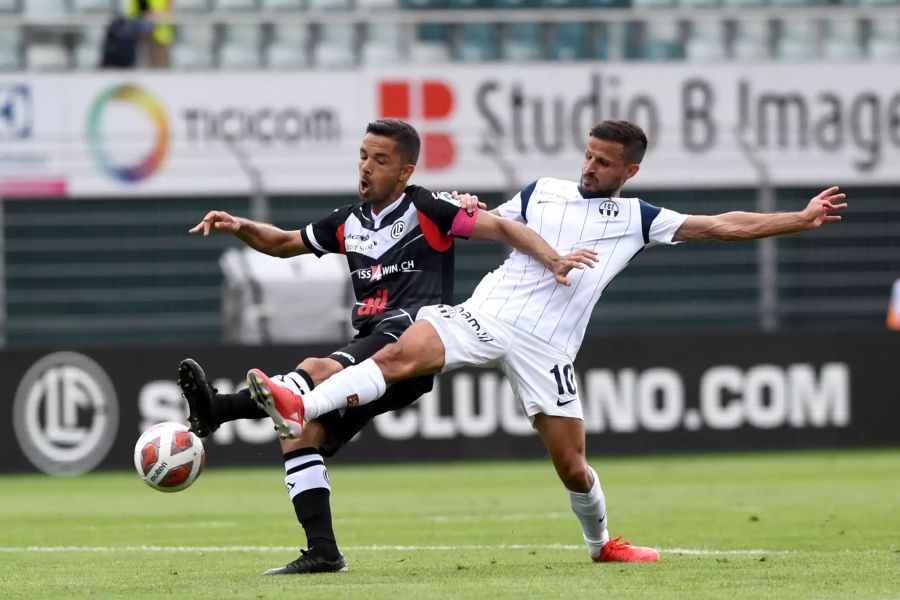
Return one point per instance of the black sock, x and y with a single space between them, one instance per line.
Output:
313 509
310 493
228 407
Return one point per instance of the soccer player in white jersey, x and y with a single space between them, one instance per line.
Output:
520 319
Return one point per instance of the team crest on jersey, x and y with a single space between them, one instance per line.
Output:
609 209
397 230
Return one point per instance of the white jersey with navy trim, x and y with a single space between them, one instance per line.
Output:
524 293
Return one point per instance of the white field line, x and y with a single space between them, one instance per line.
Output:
693 551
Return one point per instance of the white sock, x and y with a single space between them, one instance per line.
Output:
292 381
304 473
590 508
354 386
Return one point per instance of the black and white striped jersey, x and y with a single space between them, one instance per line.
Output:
400 259
524 293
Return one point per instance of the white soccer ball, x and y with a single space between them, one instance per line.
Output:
169 457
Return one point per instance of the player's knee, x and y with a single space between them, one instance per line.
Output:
393 363
319 369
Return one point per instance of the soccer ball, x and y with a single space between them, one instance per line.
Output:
169 457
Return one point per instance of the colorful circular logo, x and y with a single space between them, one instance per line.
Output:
148 104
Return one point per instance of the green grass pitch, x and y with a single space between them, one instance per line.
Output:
766 525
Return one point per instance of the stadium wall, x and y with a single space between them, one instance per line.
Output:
73 411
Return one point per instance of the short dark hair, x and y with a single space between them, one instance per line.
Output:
404 135
632 137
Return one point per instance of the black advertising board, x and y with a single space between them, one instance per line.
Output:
73 410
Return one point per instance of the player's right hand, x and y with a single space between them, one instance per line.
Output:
218 220
823 208
576 260
469 202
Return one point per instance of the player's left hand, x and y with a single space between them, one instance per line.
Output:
821 209
561 265
469 202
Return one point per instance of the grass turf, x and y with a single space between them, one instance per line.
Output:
826 525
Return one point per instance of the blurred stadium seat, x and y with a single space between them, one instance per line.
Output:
797 40
10 48
569 41
884 39
431 44
523 42
841 40
289 47
701 3
751 41
241 47
744 3
336 46
193 48
236 5
662 40
286 5
650 4
376 4
424 4
38 10
194 6
46 56
87 6
706 41
476 42
383 44
89 48
463 4
330 4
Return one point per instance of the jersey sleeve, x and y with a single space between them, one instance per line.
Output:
659 225
516 208
442 218
326 236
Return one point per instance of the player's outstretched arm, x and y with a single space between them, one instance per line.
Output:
523 239
262 237
751 226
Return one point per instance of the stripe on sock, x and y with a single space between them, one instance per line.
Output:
305 472
294 464
295 382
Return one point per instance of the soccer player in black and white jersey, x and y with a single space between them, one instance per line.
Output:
521 319
398 241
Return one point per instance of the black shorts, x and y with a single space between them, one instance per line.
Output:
340 428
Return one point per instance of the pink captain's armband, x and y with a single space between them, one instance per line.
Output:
463 224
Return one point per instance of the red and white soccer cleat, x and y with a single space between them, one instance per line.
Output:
281 404
616 551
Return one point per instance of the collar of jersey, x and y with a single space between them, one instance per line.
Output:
376 220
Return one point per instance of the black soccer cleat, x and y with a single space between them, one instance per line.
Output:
311 561
195 389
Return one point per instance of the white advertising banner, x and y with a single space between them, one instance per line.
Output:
492 127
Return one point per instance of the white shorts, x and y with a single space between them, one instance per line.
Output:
541 376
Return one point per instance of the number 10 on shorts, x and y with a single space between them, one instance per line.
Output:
566 376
